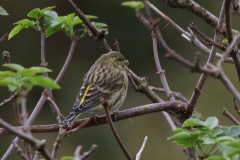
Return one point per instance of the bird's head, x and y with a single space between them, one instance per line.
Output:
115 59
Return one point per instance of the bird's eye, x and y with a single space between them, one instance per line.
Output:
119 60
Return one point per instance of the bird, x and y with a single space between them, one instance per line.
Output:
107 78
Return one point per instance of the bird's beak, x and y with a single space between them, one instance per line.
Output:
126 62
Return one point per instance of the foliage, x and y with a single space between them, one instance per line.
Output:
3 12
53 23
26 77
206 135
134 4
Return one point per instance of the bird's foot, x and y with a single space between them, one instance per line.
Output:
114 114
95 117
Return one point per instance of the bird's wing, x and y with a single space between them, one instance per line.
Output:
98 82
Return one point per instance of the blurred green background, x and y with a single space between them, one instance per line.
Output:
136 45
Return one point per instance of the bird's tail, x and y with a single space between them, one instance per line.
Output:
69 120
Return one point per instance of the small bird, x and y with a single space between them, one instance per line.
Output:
107 79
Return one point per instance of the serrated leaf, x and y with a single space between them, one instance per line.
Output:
15 30
100 25
35 13
225 138
134 4
234 131
7 74
211 122
57 21
44 82
91 17
16 67
193 122
3 12
215 158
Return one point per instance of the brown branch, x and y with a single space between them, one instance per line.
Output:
116 44
81 126
189 36
109 119
35 143
234 55
57 143
121 115
4 37
235 105
176 94
56 110
86 154
10 99
161 72
91 27
202 79
19 151
231 117
236 8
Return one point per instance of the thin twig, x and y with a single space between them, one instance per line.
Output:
57 143
81 126
109 119
234 55
202 79
138 156
116 44
36 155
56 110
121 115
19 151
236 8
86 154
10 99
4 37
161 72
189 36
77 153
176 94
230 116
35 143
235 105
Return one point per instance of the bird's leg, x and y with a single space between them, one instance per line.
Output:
115 114
95 117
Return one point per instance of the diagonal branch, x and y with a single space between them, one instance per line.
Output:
230 116
10 99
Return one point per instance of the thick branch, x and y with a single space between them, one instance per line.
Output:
121 115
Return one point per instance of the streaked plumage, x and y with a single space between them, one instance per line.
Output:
108 79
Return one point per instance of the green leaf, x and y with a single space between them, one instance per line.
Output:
44 82
8 81
52 15
234 152
40 69
100 25
234 131
67 158
233 144
35 13
182 138
25 22
178 130
58 20
201 131
215 132
3 12
211 122
215 158
225 138
32 71
76 20
15 31
91 17
29 86
226 131
134 4
193 122
16 67
207 140
7 74
47 8
54 29
69 18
